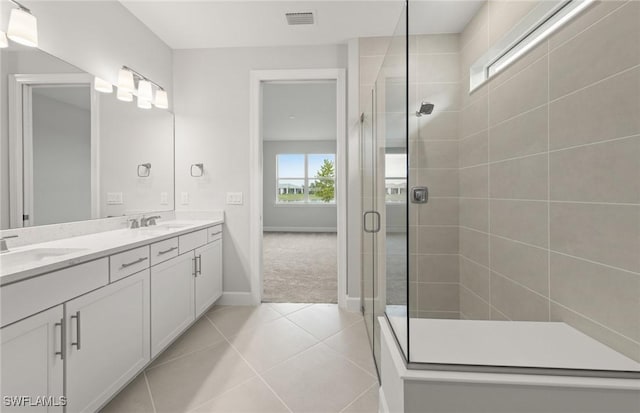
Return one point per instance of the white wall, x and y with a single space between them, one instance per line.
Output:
61 161
281 217
211 105
130 136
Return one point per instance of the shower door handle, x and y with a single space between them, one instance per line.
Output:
376 228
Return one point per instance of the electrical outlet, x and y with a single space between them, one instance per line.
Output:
234 198
184 198
114 198
164 198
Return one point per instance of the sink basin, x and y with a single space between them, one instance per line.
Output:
37 254
163 228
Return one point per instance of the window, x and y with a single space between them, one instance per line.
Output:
395 178
543 19
305 178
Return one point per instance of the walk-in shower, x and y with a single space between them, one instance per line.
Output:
526 257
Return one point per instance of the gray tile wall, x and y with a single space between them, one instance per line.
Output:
433 143
549 178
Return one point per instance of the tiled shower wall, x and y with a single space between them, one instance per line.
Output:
550 176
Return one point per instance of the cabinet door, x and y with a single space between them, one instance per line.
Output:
208 275
107 341
172 301
32 365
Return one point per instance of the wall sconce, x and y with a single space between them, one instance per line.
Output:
144 170
197 170
23 26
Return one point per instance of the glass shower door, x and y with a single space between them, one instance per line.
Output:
370 222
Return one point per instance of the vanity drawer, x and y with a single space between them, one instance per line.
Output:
192 240
25 298
163 250
128 262
214 233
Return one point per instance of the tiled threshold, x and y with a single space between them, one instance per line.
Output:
272 358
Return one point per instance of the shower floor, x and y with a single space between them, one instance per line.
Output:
508 343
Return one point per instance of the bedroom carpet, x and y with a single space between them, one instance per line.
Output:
300 267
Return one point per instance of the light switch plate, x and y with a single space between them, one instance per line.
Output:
164 198
184 198
234 198
114 198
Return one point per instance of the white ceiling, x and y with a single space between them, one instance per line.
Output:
239 23
299 111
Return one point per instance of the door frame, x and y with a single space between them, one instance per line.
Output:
257 77
21 138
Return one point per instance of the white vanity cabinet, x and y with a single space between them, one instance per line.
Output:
208 275
32 363
107 341
172 300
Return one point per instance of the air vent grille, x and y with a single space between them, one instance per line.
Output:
295 19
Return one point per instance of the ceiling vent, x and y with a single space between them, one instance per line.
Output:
296 19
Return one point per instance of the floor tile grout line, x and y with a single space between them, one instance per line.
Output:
257 373
152 366
374 385
146 380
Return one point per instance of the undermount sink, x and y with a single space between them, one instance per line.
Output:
162 228
37 254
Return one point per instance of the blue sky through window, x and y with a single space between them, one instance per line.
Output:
291 165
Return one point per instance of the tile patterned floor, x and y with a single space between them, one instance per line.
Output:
276 357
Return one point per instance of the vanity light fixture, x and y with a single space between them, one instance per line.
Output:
23 26
145 91
125 81
124 96
143 103
102 85
4 42
162 100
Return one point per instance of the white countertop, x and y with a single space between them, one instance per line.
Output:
93 246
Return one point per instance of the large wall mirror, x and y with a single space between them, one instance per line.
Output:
70 153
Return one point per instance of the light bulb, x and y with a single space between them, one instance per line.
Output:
144 104
145 92
23 28
124 96
162 100
4 42
102 85
125 81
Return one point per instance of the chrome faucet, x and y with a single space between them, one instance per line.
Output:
146 222
133 223
3 243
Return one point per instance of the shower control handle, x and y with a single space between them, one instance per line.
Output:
419 194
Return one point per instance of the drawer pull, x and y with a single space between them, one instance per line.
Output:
167 251
138 261
62 339
77 342
216 233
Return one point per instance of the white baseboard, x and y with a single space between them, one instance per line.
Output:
353 304
299 229
235 298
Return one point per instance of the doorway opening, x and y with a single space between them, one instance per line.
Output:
299 203
299 218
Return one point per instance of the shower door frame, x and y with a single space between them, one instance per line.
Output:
257 77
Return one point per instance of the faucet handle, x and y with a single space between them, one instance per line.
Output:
3 243
133 223
152 220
